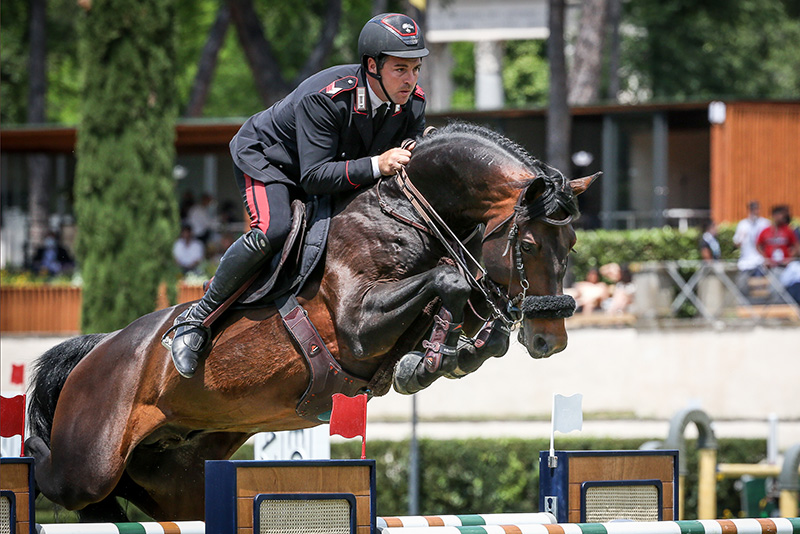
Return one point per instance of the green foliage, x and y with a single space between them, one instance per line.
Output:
502 475
599 247
526 75
63 74
463 74
125 205
684 49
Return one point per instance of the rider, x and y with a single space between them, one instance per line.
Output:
334 133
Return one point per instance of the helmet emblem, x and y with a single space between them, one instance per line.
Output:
408 28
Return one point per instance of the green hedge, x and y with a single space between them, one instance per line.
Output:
502 475
483 475
599 247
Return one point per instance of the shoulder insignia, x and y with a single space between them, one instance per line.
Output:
419 92
342 84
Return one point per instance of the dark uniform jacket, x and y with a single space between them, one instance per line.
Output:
320 137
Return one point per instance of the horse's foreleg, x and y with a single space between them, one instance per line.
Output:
373 323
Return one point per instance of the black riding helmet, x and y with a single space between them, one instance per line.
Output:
391 34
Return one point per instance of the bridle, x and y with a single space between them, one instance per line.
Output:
512 309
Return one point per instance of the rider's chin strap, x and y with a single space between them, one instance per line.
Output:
378 77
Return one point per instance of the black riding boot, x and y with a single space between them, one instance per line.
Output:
244 257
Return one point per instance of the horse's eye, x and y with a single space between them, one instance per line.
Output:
528 247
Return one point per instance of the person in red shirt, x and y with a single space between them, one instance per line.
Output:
778 243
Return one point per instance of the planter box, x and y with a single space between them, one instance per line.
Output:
57 310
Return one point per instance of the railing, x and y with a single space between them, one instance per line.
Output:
56 310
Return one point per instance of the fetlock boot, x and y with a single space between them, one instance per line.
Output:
443 341
244 257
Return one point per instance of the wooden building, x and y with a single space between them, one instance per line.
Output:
675 164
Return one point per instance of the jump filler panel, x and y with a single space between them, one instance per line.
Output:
17 496
259 497
600 486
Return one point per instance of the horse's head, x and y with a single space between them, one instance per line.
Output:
527 253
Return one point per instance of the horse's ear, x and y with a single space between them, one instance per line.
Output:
579 185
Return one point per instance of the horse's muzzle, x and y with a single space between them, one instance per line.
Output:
548 307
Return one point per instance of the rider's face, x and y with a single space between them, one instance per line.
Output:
399 78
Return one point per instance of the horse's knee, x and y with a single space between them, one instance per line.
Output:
452 286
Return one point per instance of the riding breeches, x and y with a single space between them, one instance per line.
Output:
268 206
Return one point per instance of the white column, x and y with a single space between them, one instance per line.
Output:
437 79
489 75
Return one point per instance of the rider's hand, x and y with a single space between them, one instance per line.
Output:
392 160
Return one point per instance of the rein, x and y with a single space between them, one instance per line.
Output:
517 307
547 306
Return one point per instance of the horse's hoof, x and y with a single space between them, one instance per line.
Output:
405 374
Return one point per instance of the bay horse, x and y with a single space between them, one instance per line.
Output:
110 417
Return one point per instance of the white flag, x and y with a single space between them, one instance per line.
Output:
567 413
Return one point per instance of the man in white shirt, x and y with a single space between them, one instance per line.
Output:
188 251
750 259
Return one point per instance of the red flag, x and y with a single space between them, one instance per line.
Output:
17 373
349 418
12 418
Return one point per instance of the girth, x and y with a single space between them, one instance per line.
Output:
326 375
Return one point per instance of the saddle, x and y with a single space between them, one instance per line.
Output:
278 284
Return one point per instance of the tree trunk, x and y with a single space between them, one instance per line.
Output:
38 171
558 118
614 16
585 83
270 83
267 75
320 53
208 62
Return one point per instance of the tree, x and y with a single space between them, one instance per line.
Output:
38 168
584 85
559 124
685 49
208 62
270 81
125 205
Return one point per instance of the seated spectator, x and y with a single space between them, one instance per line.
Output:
201 218
790 279
590 293
621 293
709 246
750 259
52 258
188 251
778 243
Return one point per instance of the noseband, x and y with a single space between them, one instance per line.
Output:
522 305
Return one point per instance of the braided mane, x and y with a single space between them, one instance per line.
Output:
557 193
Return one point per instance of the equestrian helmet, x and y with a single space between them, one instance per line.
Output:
393 34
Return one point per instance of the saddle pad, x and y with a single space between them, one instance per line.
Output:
288 272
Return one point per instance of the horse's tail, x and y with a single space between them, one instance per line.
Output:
49 374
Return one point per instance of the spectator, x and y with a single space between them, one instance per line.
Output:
589 294
201 218
188 251
750 259
790 278
778 243
709 246
52 258
622 292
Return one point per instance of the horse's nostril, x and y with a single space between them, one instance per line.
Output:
540 344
